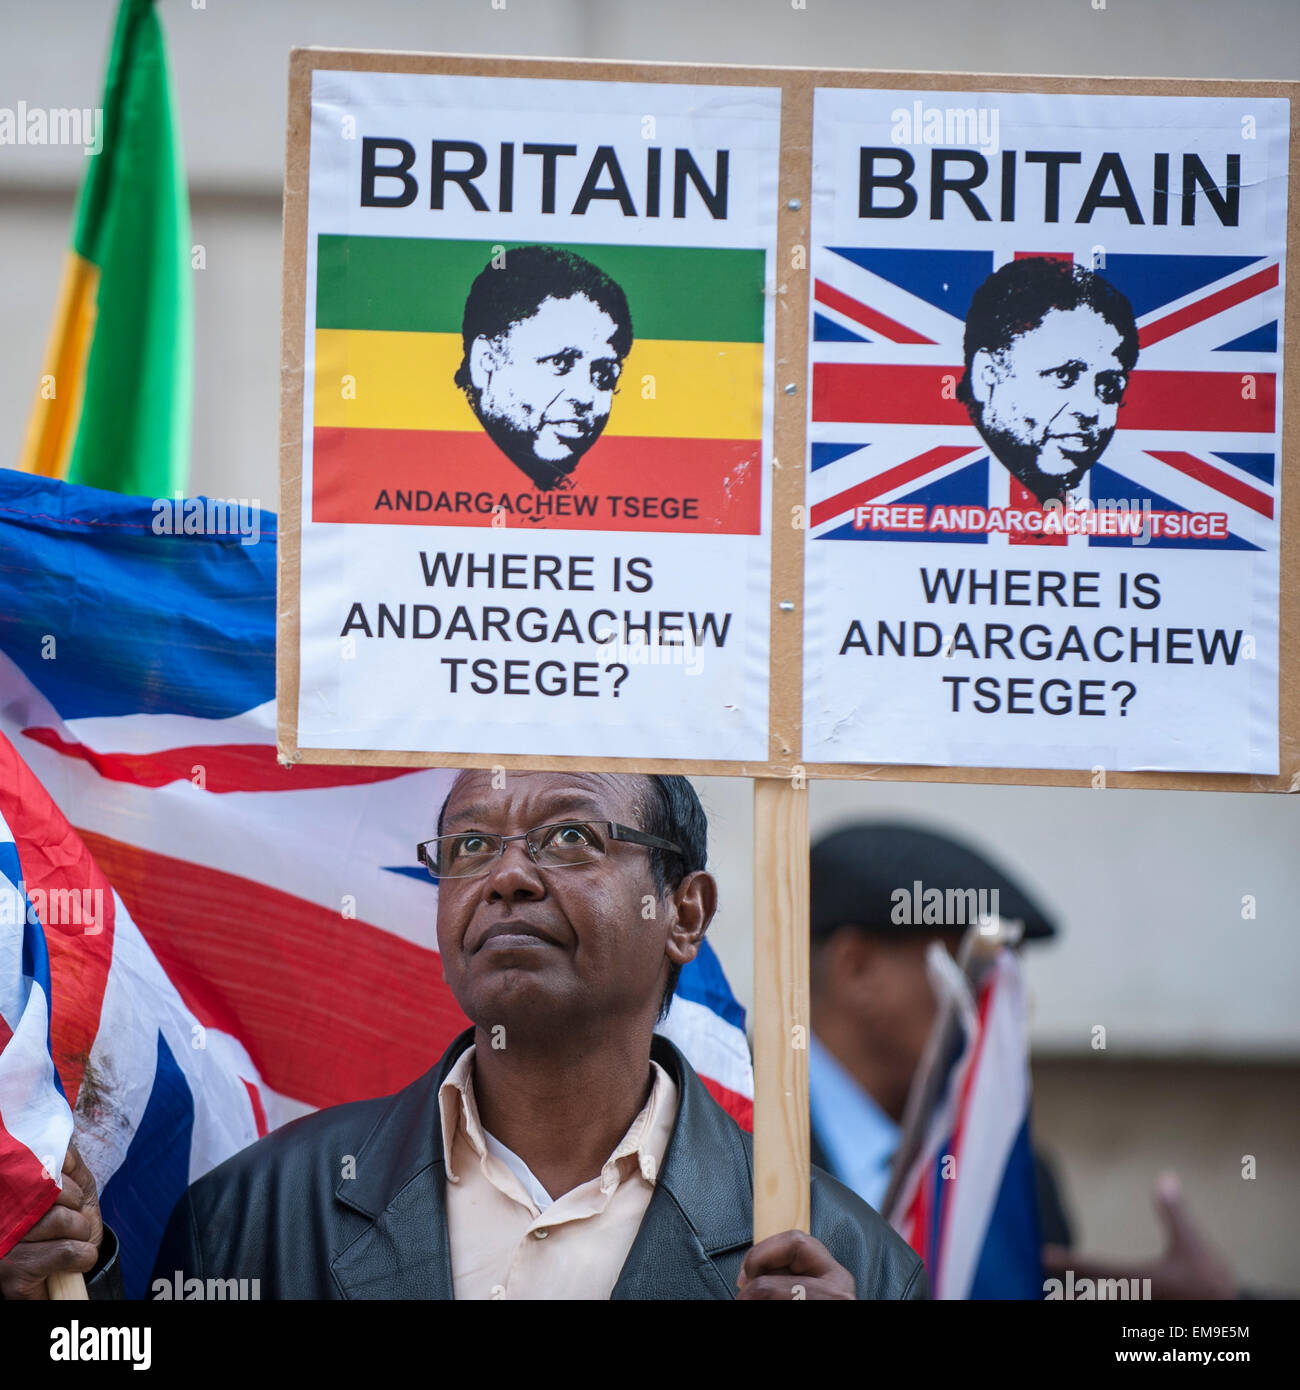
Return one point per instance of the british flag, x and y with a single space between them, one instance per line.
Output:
1197 431
967 1204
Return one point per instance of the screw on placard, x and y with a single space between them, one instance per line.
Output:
786 606
791 389
794 205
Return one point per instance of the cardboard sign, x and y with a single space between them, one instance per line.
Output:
1045 430
536 403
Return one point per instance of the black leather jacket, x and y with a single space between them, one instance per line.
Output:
281 1212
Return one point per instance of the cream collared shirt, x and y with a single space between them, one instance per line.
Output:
506 1242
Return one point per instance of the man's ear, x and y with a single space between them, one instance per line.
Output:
851 957
482 363
987 369
696 900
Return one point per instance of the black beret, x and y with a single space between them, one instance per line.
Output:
857 873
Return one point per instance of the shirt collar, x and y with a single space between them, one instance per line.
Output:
647 1137
646 1140
859 1139
457 1108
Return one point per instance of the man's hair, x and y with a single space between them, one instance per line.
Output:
671 810
506 295
1018 296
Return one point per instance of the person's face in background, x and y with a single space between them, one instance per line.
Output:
873 1007
546 385
1047 403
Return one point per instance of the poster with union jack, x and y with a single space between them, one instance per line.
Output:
1045 430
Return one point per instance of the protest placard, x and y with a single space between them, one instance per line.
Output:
535 324
1045 428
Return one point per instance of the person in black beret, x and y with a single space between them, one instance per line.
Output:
881 893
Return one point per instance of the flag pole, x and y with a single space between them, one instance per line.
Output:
67 1286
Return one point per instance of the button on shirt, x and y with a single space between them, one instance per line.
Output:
859 1139
509 1238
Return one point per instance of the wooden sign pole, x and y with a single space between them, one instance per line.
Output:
781 1144
782 1195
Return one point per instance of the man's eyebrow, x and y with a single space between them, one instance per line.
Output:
1069 362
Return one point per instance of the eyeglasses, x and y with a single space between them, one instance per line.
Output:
560 846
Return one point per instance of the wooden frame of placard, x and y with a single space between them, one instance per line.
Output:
781 1137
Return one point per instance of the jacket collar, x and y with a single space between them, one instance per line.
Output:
401 1185
702 1205
703 1202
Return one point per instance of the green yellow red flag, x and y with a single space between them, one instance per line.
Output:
112 407
401 443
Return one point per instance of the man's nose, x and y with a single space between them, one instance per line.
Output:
514 877
1080 405
580 391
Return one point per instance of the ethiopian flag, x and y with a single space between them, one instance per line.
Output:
396 440
112 408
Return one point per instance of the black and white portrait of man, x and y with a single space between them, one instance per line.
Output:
545 333
1049 350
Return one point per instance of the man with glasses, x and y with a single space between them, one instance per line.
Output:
559 1149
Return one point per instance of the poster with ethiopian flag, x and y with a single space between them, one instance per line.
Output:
680 411
530 436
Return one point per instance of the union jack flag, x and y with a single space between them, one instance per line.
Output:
1197 431
967 1203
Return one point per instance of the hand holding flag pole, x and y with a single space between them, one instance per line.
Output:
70 1284
41 1264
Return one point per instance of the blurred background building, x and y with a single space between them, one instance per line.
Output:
1198 998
